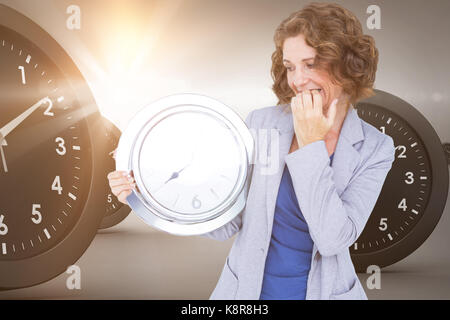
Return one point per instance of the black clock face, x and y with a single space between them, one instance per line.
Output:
407 188
45 163
112 203
116 211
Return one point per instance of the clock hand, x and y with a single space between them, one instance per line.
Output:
18 120
3 143
175 174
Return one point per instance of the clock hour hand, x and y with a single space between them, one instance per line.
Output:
177 173
3 143
19 119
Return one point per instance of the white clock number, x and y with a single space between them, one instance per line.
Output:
109 198
402 205
383 224
383 129
410 177
38 216
50 105
402 154
196 204
22 71
3 227
56 185
61 150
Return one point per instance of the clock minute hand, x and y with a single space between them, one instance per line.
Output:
177 173
18 120
3 143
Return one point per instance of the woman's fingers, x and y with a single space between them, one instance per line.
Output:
307 100
119 189
120 180
317 101
117 174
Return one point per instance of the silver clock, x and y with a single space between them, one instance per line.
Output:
191 159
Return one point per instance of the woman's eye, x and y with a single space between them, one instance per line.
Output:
310 66
289 68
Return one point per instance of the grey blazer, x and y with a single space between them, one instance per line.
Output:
335 200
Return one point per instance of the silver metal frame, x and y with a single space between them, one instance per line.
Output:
142 203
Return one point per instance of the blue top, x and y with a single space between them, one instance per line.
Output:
289 257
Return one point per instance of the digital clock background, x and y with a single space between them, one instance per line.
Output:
133 52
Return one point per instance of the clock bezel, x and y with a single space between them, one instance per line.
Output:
153 202
438 188
124 162
51 263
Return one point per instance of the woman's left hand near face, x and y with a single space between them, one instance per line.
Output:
310 124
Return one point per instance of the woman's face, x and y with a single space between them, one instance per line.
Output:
298 58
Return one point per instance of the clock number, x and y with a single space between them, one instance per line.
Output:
410 177
22 70
383 130
56 185
50 105
383 224
61 150
3 227
196 204
109 198
402 205
402 154
35 212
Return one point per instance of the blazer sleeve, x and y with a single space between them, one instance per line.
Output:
231 228
335 222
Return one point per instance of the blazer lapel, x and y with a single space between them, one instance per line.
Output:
346 156
345 159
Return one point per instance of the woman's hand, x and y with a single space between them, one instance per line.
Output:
121 184
310 124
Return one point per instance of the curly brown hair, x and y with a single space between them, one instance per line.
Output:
342 50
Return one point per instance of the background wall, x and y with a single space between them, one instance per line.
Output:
134 52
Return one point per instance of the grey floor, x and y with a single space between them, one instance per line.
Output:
134 261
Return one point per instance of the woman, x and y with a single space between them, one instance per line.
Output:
293 236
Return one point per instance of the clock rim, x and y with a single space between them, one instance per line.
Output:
238 184
438 188
51 263
126 145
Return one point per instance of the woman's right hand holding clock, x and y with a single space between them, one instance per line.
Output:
121 183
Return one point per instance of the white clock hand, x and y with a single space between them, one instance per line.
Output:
176 174
3 143
18 120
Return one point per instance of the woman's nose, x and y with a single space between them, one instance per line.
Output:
300 79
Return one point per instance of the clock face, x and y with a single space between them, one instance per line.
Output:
190 163
190 156
111 139
45 164
407 188
116 211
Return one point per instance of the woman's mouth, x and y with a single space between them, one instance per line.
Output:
317 89
320 91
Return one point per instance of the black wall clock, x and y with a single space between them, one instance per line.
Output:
116 211
415 191
50 183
